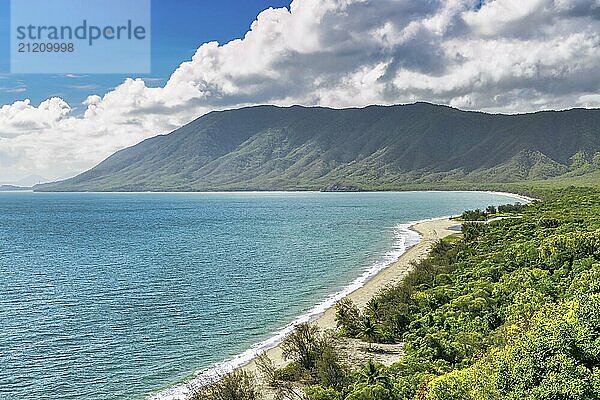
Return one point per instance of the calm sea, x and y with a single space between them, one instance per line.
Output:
119 296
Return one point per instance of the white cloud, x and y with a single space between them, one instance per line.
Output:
589 100
18 89
507 55
21 118
88 87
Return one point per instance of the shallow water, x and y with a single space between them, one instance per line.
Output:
118 296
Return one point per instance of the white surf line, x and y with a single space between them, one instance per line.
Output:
405 238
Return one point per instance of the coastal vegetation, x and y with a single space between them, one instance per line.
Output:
506 310
238 385
509 311
502 211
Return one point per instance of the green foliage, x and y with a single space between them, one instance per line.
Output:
373 375
560 249
314 359
510 311
317 392
472 230
556 357
330 372
587 281
368 329
371 392
289 373
372 382
376 148
511 208
303 346
347 317
479 215
474 215
239 385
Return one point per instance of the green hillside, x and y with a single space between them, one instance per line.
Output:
378 147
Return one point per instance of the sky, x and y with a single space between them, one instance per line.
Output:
508 56
179 27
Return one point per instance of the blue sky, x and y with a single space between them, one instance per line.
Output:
179 27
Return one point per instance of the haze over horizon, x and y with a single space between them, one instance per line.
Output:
497 56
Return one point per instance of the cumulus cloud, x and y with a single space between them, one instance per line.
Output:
499 55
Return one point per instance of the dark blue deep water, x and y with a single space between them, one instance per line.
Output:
118 296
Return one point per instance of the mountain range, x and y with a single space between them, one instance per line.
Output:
418 145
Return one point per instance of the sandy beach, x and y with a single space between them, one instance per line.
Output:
431 231
354 350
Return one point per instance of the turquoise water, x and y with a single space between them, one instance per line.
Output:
118 296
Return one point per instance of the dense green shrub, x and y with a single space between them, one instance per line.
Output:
292 372
556 358
317 392
314 357
330 371
472 230
304 346
474 215
511 208
510 311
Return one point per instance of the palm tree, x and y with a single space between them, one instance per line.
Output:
375 308
368 330
372 375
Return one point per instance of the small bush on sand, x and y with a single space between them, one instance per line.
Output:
290 373
304 345
314 358
238 385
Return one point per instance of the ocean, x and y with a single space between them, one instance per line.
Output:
123 295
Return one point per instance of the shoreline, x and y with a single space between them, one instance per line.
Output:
291 191
360 291
430 231
524 198
323 314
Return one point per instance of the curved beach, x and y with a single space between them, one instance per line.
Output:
430 231
323 315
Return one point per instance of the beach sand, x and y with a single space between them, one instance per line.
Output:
431 231
353 350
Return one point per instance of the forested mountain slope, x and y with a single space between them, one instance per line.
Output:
377 147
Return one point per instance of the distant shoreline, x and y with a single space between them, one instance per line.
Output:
13 188
254 191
